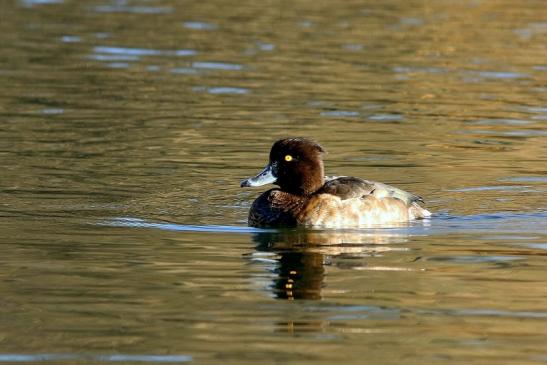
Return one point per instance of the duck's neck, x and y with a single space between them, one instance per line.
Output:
313 179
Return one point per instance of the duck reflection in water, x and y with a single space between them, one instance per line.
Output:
303 255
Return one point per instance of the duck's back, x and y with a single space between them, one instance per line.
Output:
353 202
346 187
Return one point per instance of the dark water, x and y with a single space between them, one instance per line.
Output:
126 127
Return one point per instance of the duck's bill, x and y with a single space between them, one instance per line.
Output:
266 176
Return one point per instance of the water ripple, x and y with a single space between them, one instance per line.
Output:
502 75
501 222
218 90
101 358
218 66
199 25
526 179
140 223
30 3
500 122
492 188
227 90
475 259
485 313
184 71
128 51
70 39
386 117
108 58
133 9
340 113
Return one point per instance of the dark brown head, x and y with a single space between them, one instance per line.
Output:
296 165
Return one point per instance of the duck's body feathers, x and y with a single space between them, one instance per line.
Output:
307 198
347 187
341 203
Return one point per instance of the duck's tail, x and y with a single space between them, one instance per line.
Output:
417 212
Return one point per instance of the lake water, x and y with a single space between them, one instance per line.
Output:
126 127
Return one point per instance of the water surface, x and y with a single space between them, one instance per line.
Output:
127 126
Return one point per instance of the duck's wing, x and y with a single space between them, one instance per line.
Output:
346 187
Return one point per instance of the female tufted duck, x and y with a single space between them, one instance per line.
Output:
307 198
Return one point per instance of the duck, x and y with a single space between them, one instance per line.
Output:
305 197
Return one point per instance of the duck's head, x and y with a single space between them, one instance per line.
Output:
296 165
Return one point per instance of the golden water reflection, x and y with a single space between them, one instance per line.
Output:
155 110
301 256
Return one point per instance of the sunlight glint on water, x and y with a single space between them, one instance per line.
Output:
127 126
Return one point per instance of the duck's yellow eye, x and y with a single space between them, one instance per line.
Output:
288 158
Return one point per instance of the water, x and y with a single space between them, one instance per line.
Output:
127 126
